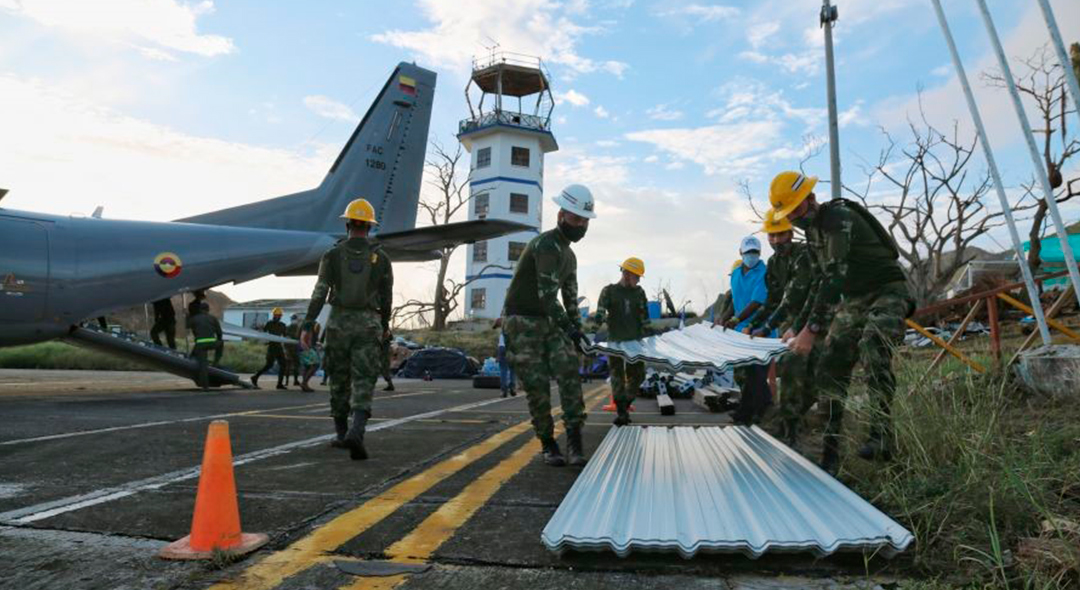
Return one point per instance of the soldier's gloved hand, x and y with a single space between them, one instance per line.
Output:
763 331
580 340
731 322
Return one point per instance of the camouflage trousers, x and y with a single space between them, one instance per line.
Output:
539 351
626 380
798 390
354 349
867 328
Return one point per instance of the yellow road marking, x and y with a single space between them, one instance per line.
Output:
420 544
303 554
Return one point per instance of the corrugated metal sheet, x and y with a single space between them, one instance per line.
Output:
716 489
697 347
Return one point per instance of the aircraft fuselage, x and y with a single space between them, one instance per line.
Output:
58 271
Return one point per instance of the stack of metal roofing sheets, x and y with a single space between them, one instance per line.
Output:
717 489
696 347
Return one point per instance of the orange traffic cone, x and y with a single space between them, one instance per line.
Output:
216 524
610 406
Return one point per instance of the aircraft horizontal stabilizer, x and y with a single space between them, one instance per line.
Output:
423 243
249 334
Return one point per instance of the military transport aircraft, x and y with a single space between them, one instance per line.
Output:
56 271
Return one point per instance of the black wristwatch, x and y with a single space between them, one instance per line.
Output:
814 328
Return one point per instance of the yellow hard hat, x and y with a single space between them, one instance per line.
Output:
277 311
773 225
735 265
360 210
788 190
634 265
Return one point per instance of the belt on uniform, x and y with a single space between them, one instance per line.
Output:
210 340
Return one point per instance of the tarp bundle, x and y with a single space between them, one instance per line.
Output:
440 363
696 347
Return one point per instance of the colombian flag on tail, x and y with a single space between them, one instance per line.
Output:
407 85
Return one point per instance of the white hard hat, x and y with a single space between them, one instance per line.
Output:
750 244
576 199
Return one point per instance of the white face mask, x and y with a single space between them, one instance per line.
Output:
750 259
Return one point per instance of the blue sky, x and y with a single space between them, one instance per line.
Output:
158 109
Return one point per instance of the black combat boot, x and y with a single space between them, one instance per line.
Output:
389 386
622 416
552 454
830 455
354 438
341 425
575 451
255 380
789 432
878 446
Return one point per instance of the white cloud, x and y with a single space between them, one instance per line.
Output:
736 149
808 62
461 30
759 33
703 12
164 24
676 165
662 112
573 97
747 133
601 112
651 158
325 106
607 143
942 71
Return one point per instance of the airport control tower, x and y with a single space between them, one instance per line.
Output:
507 134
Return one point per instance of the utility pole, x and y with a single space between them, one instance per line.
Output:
829 15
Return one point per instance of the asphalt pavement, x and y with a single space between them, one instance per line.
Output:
98 470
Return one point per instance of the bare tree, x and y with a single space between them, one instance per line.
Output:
811 148
1041 81
452 195
931 202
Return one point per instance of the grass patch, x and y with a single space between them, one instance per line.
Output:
981 466
244 357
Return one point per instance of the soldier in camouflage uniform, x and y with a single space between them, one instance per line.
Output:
624 306
541 333
358 278
789 278
863 298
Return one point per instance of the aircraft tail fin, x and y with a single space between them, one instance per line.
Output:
383 161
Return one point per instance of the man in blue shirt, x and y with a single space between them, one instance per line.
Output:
748 293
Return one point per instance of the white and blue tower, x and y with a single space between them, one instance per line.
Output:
507 147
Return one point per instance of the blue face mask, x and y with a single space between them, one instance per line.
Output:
751 259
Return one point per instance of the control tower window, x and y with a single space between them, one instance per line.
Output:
483 157
479 298
482 204
519 156
514 251
479 252
519 203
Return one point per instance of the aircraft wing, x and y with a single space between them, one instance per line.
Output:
249 334
423 243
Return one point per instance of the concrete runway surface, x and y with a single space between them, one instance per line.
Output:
98 470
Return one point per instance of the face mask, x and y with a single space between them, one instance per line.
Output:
806 220
573 233
750 259
783 248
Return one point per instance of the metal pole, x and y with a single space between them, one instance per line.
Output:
1036 159
1059 46
828 17
1006 207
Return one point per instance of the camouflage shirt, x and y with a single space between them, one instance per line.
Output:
204 325
354 274
856 256
788 279
626 311
546 267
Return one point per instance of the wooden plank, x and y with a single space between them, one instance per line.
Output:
995 328
1050 322
952 339
1050 313
667 407
952 349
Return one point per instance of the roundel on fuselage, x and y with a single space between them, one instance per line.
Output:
168 264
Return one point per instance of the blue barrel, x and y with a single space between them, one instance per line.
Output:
654 310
